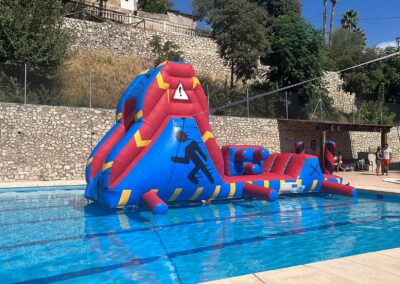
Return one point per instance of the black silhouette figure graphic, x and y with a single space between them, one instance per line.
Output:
194 154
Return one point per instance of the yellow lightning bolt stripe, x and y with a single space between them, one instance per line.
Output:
199 190
123 200
144 72
89 161
118 116
163 63
140 143
175 194
232 190
207 135
139 115
216 192
160 81
314 185
195 82
106 166
266 183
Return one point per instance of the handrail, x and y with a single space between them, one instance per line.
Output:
141 22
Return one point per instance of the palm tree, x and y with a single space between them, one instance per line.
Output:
362 34
332 17
324 24
350 20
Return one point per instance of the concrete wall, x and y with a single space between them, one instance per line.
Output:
125 39
52 143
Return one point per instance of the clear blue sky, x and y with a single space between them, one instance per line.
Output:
369 11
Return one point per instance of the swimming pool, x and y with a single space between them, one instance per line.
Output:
49 236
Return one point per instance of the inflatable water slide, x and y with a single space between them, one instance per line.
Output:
162 150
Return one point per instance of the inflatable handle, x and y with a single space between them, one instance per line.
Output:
260 192
252 169
260 154
338 188
154 203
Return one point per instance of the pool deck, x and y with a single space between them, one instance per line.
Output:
376 267
369 182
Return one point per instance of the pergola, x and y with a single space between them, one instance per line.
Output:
324 126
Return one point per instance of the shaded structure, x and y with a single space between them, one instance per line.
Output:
324 127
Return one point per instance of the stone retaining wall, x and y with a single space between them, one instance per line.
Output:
125 39
53 143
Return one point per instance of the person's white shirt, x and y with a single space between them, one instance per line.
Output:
386 154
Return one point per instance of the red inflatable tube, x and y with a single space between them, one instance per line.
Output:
260 192
252 169
154 203
239 155
338 188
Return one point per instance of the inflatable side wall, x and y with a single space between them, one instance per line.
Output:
162 149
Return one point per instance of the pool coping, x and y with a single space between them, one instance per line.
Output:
373 267
29 184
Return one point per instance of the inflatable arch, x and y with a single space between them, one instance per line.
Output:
162 150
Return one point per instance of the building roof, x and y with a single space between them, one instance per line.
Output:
337 126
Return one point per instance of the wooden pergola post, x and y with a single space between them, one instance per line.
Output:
384 138
322 148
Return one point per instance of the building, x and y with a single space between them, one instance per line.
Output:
130 7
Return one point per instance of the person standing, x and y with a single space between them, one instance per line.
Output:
387 158
378 160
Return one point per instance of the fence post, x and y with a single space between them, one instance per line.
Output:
248 103
25 75
287 106
90 89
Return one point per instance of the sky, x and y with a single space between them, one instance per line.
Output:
379 19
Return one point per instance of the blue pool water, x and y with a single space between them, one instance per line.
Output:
50 236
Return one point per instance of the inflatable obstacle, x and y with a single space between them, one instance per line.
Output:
162 150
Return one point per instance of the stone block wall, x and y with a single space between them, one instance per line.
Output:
125 39
342 101
53 143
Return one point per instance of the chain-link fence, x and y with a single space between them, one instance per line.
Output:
99 82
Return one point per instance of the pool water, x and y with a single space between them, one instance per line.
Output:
50 236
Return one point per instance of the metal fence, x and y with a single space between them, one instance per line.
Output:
86 87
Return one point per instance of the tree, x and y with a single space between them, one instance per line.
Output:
31 32
324 19
297 55
166 51
238 27
155 6
333 2
349 20
346 48
276 8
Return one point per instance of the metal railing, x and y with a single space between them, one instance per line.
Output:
141 22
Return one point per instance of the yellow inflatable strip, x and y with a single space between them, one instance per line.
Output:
282 183
123 200
118 117
144 72
314 185
216 192
160 81
266 183
89 161
106 166
163 63
175 195
232 190
207 135
195 82
299 182
140 143
139 115
199 190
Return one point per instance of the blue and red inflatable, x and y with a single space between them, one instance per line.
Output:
162 150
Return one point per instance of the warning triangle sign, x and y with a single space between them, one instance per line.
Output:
180 93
